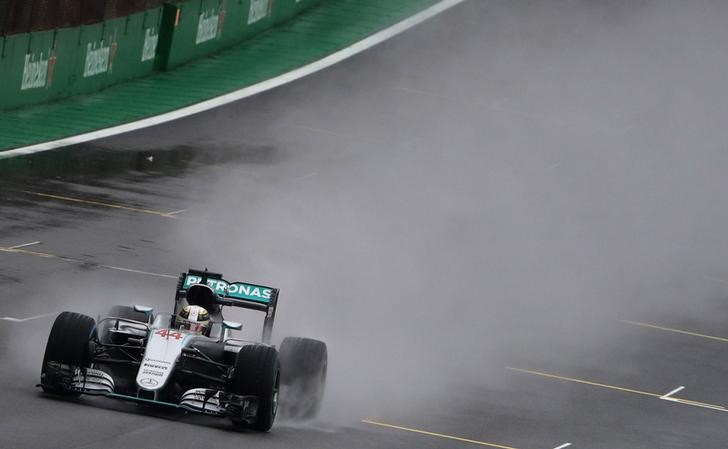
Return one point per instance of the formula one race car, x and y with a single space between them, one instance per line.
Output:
187 359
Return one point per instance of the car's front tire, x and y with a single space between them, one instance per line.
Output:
69 345
257 373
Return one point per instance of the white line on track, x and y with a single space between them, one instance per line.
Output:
82 262
20 320
719 408
563 446
249 91
324 131
422 92
673 399
338 134
437 435
304 177
130 270
177 212
670 397
677 331
24 245
675 391
713 278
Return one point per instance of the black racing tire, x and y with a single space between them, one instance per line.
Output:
69 343
304 364
257 373
129 313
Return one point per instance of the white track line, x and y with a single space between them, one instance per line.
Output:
83 262
340 135
669 397
304 177
675 391
563 446
719 408
130 270
425 93
24 245
20 320
712 278
286 78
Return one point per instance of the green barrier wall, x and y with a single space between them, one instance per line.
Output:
44 66
203 27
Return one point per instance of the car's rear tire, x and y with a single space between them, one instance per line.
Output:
69 343
257 373
303 377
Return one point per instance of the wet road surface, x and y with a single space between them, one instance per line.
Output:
501 232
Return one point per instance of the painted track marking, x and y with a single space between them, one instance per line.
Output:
83 262
102 204
342 135
434 434
424 93
565 445
677 331
325 131
20 320
676 390
716 279
131 270
627 390
316 66
24 245
585 382
670 397
718 408
31 253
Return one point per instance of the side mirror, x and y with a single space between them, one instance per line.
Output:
143 309
234 325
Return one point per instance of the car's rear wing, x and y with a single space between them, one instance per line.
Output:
236 294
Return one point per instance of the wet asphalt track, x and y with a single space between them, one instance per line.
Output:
550 213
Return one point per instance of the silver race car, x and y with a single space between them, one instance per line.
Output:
188 359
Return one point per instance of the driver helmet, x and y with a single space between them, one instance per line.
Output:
195 319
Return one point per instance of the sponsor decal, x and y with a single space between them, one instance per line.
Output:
99 57
210 25
163 362
151 38
163 365
148 382
222 19
237 290
250 291
38 70
259 10
155 366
